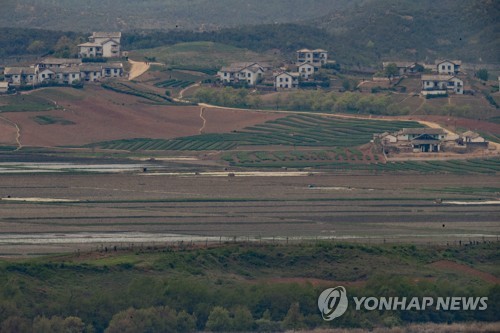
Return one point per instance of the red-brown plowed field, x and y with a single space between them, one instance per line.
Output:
102 115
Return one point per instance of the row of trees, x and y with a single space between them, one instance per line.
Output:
302 100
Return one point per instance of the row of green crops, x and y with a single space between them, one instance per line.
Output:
292 131
126 89
173 83
474 166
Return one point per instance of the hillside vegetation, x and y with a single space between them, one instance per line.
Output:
79 15
356 32
180 289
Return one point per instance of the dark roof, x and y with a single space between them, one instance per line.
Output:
14 70
420 131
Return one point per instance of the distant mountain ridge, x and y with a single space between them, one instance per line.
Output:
78 15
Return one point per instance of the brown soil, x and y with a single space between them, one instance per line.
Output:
453 266
101 115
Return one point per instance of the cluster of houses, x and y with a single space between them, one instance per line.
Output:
445 77
427 140
71 71
252 73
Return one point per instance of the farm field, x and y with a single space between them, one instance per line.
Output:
292 131
71 117
63 212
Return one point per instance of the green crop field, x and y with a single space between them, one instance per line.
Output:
173 83
292 131
129 90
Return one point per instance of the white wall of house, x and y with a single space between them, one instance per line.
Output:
250 77
46 75
285 81
446 67
110 48
306 70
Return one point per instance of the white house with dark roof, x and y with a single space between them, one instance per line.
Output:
101 44
286 80
318 57
249 73
450 67
441 84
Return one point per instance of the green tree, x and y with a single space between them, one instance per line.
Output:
185 322
482 74
242 320
391 70
218 320
15 324
294 319
36 46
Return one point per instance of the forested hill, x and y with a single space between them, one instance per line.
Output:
423 29
363 32
78 15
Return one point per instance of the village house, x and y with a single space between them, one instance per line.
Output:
306 70
90 50
112 69
414 140
67 75
286 80
20 75
249 73
441 84
90 72
101 44
4 87
404 67
58 63
316 57
472 137
448 67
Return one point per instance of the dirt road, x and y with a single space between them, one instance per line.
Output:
138 68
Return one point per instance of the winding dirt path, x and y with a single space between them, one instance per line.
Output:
204 120
138 68
18 132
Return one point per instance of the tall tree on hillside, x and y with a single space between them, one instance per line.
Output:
482 74
391 70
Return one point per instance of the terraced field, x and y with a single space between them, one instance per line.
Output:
292 131
123 88
173 83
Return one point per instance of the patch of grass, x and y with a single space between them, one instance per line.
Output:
199 56
25 103
50 120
